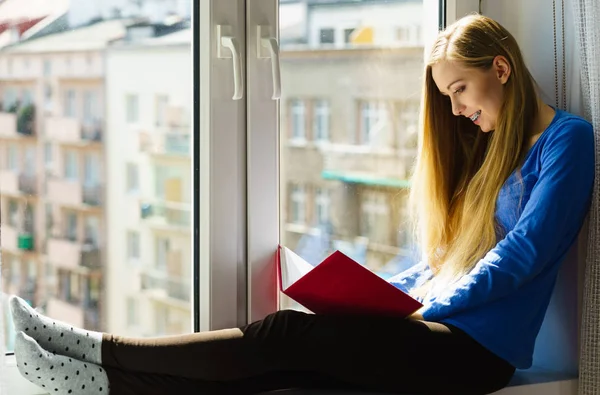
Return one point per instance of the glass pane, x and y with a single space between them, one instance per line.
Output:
91 234
351 77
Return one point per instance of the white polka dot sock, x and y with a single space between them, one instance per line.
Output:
57 374
55 336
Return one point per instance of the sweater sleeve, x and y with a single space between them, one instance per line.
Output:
412 277
549 224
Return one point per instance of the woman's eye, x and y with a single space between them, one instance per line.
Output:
460 90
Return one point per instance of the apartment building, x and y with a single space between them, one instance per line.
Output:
53 189
351 75
149 108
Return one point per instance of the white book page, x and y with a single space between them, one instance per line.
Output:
293 267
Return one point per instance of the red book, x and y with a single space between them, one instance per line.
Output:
340 285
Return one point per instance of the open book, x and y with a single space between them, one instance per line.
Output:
340 285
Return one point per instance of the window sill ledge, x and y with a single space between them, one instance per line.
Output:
530 382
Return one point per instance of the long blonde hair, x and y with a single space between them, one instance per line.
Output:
460 170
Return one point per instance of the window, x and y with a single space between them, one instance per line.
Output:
327 36
48 98
89 106
92 232
48 153
133 245
361 104
27 97
321 120
13 157
71 166
47 67
322 202
348 35
298 124
133 182
163 245
298 204
71 226
162 101
70 103
13 213
132 108
374 123
375 211
9 98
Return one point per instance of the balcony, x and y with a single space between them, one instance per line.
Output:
73 255
364 160
73 193
28 184
15 241
166 214
8 125
9 182
68 130
10 238
18 123
166 141
164 286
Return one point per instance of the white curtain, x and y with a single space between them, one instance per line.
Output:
586 15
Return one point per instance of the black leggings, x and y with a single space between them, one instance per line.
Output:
290 349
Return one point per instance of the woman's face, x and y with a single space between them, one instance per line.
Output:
474 93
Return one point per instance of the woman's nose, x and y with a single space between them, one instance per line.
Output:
457 107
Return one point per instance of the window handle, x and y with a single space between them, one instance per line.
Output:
268 47
226 40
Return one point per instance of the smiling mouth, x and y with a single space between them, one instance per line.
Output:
475 116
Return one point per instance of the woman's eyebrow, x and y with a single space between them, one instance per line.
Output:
449 85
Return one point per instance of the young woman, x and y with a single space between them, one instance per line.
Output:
501 187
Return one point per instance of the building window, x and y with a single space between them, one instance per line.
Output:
13 213
322 203
327 36
298 124
47 67
9 98
133 245
163 246
89 106
403 34
133 181
71 226
48 153
321 120
132 108
298 204
13 157
27 97
48 98
71 166
374 123
70 105
375 217
348 35
162 101
92 231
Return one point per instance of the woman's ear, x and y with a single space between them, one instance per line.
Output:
501 68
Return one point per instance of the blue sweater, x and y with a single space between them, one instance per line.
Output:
502 301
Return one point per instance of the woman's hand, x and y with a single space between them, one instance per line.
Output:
416 316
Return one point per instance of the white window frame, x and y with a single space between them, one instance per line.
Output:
237 191
298 201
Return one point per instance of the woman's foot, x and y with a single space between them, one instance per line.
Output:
55 336
57 374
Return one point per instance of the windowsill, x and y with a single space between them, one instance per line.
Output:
537 382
